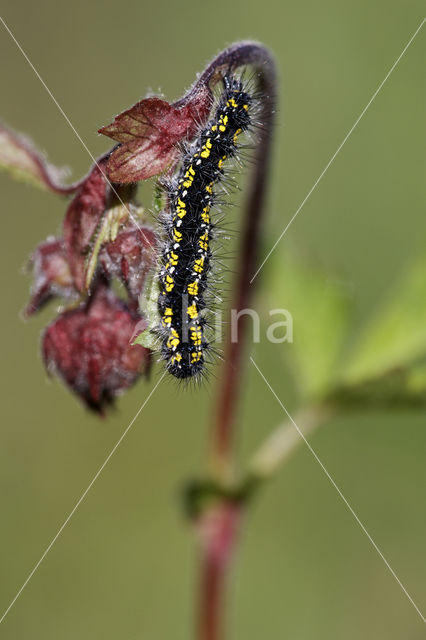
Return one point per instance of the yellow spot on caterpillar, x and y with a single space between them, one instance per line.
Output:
205 215
169 283
176 358
196 336
173 258
196 356
173 341
221 161
192 311
167 317
245 106
199 265
236 134
223 121
231 103
189 175
205 152
203 241
177 236
209 188
193 288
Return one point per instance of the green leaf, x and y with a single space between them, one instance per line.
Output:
396 336
149 309
319 306
397 388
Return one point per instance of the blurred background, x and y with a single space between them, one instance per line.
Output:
125 566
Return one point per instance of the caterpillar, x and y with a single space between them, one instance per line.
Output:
186 256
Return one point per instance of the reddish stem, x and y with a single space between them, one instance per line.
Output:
211 591
218 530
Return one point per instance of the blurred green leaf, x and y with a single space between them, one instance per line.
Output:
397 388
319 306
396 336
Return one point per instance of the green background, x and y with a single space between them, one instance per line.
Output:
126 565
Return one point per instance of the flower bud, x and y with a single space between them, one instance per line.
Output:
90 349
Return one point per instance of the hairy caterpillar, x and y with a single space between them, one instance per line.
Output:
186 257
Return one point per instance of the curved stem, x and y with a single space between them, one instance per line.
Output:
260 58
245 53
217 546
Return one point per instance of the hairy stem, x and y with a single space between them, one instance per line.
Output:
256 55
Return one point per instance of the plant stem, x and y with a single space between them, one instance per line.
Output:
244 53
218 530
210 603
218 541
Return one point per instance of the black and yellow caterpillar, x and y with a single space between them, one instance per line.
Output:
186 255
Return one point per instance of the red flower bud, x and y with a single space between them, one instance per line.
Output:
90 349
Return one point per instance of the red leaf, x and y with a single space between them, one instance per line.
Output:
82 217
90 349
148 134
129 258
